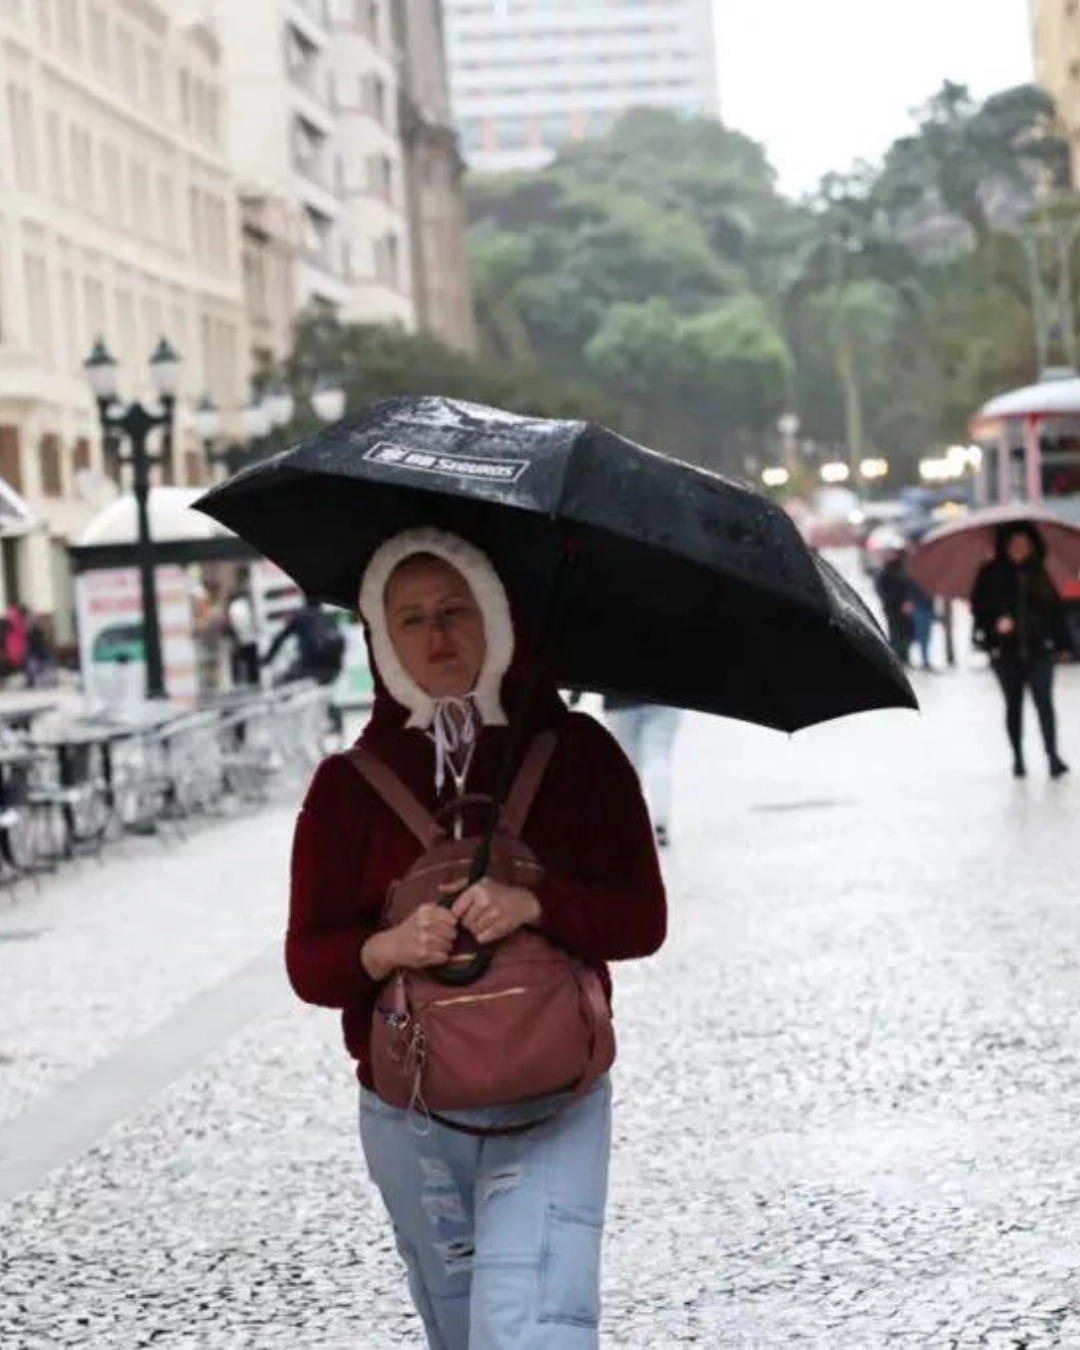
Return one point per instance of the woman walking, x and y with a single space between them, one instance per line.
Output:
1020 620
646 733
498 1210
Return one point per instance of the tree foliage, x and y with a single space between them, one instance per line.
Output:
657 279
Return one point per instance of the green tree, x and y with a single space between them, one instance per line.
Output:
979 165
372 362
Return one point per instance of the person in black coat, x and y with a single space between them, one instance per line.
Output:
1019 620
896 591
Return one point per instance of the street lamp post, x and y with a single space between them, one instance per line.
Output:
788 426
136 422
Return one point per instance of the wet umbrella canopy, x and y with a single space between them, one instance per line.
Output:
948 558
685 589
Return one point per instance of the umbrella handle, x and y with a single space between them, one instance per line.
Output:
468 961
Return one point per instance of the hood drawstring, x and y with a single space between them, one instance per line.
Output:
454 731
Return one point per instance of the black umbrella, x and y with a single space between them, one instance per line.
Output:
686 590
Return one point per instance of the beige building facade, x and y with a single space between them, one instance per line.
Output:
1055 33
118 219
376 225
340 116
282 128
270 245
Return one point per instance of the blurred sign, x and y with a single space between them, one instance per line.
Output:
111 641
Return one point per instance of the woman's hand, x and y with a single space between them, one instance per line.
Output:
491 911
425 938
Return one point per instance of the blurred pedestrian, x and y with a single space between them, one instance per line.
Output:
243 632
497 1209
894 588
320 646
1019 619
646 732
14 634
40 657
922 621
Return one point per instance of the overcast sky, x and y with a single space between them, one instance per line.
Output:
825 82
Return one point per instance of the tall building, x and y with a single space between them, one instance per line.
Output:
336 107
118 219
1055 33
283 132
529 76
367 67
435 199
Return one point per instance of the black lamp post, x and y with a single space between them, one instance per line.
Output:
263 419
135 422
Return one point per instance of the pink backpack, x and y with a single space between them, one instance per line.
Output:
536 1021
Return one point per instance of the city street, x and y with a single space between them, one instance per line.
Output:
846 1097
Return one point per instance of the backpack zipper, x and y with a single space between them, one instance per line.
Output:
476 998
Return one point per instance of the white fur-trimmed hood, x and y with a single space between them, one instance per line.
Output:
490 596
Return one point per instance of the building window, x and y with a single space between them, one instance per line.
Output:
52 475
392 255
141 216
472 133
115 196
368 15
54 154
82 455
213 117
377 99
69 328
308 142
195 214
127 339
153 72
255 281
206 351
21 119
100 50
381 177
40 317
10 459
82 164
166 208
94 303
126 65
67 24
512 133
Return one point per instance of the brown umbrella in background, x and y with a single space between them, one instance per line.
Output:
948 559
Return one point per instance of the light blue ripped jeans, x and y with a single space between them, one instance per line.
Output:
501 1236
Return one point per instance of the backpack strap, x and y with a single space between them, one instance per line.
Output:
527 784
396 795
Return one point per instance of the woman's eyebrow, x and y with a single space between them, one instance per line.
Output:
415 606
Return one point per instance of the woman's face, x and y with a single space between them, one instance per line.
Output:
1019 549
436 626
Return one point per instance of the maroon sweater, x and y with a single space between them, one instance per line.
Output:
602 896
